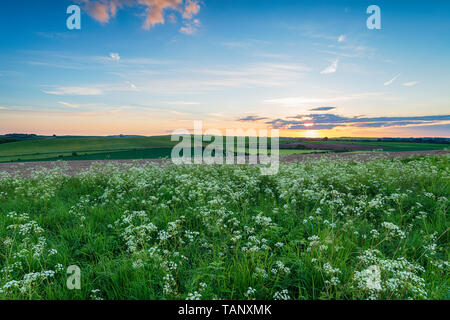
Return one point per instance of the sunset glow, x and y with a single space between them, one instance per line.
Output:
129 72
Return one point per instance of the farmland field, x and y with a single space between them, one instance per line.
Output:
158 147
317 230
52 148
394 146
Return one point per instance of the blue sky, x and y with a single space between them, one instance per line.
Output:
309 68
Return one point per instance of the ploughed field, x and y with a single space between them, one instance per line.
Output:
319 229
330 146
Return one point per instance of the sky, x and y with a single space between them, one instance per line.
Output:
148 67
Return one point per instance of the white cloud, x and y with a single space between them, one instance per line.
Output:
3 108
114 56
411 83
388 83
67 104
75 91
132 86
332 68
341 38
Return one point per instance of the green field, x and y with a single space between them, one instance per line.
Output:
51 148
316 230
104 148
97 148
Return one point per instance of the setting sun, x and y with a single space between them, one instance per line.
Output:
311 134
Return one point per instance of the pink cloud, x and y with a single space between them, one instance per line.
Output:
190 27
191 8
155 10
104 10
99 11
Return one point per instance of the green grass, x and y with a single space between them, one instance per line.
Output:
316 230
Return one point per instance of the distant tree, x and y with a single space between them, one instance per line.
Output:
325 139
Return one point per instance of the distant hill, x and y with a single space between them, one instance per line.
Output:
30 147
126 136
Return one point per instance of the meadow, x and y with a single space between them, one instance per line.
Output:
317 230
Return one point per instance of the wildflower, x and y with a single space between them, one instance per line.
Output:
281 295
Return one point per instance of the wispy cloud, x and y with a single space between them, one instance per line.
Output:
245 44
190 27
252 118
74 91
54 35
92 89
388 83
322 109
341 38
411 83
182 103
313 31
332 68
67 104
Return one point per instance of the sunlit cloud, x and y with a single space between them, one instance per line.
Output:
341 38
154 11
190 27
330 121
192 7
